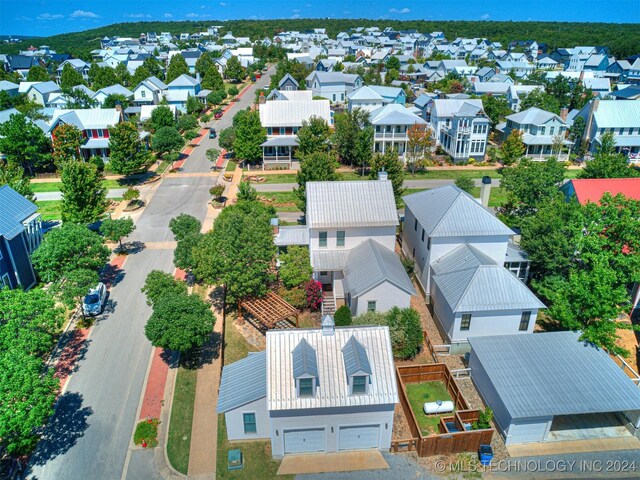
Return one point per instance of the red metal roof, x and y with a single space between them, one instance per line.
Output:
592 189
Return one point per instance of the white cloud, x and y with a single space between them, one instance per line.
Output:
486 16
294 16
202 7
223 4
401 11
83 14
167 15
137 15
24 19
49 16
191 15
297 10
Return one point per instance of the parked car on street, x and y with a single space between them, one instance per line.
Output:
212 133
217 114
94 301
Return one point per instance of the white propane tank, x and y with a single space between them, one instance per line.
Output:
439 406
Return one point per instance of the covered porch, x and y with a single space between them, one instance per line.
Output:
542 147
278 151
328 269
96 147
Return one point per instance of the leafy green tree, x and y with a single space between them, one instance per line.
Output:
78 98
24 144
84 198
74 285
13 176
238 252
184 225
102 77
216 97
404 328
246 192
212 79
159 284
576 132
295 267
166 140
38 73
249 135
177 66
194 106
606 163
419 143
529 185
212 154
226 138
353 137
179 322
389 162
466 184
496 108
66 144
393 63
139 75
540 99
391 76
70 77
204 63
313 136
116 230
233 92
154 67
234 70
127 153
130 194
342 317
114 99
124 77
512 149
68 248
162 116
183 253
316 167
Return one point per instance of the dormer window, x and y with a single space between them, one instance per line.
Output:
359 384
305 387
358 369
305 369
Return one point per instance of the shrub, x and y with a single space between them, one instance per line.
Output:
342 317
313 291
186 122
233 91
408 265
216 191
191 134
98 162
471 161
131 194
147 432
404 327
206 117
295 296
484 419
466 184
295 268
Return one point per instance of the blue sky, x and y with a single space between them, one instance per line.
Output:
48 17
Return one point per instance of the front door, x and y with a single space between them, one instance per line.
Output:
325 277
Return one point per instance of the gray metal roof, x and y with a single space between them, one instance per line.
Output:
533 116
15 209
616 114
355 358
367 203
370 264
243 382
482 288
450 212
463 257
305 361
293 235
331 260
543 374
333 386
281 141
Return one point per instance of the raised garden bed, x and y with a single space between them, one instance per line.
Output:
134 205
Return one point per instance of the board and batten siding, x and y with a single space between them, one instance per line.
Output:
492 323
235 422
386 296
354 236
334 419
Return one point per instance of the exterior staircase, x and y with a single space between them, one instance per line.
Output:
328 304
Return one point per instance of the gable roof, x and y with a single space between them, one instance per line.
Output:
15 209
184 80
333 386
364 93
450 212
370 264
305 362
592 189
553 373
616 114
243 382
355 357
448 107
394 114
533 116
287 78
365 203
332 77
88 118
46 87
291 113
116 89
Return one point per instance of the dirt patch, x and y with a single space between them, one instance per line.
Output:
401 429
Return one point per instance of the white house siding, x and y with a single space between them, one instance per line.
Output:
335 92
148 98
235 421
386 297
444 316
386 236
331 418
491 323
368 105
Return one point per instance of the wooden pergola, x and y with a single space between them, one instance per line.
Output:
268 310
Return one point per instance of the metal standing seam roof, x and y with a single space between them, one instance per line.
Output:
491 87
292 235
305 361
554 373
461 258
370 264
281 141
450 212
617 114
355 358
394 114
89 118
291 113
243 382
533 116
364 93
15 209
359 203
184 80
331 260
333 386
448 107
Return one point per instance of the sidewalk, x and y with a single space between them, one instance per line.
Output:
232 191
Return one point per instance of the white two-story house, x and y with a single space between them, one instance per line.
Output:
541 130
334 86
391 125
461 127
149 92
460 250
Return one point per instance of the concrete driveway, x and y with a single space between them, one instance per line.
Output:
89 436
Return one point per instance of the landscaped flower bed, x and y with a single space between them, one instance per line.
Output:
146 433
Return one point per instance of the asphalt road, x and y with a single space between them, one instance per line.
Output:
89 435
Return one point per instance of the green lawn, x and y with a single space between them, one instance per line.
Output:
235 346
179 440
497 198
274 178
418 394
50 210
57 186
231 166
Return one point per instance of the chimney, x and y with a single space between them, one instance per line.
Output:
382 175
328 325
275 225
564 112
198 76
594 108
485 190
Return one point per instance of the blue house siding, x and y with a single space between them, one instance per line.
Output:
6 267
21 261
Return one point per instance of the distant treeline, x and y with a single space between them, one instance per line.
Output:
623 39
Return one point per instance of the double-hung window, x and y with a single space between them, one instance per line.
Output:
249 420
306 387
322 240
524 321
340 234
359 384
465 323
371 306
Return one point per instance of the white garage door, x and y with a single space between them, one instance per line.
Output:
359 437
301 441
528 431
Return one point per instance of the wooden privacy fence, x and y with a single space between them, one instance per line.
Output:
452 436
